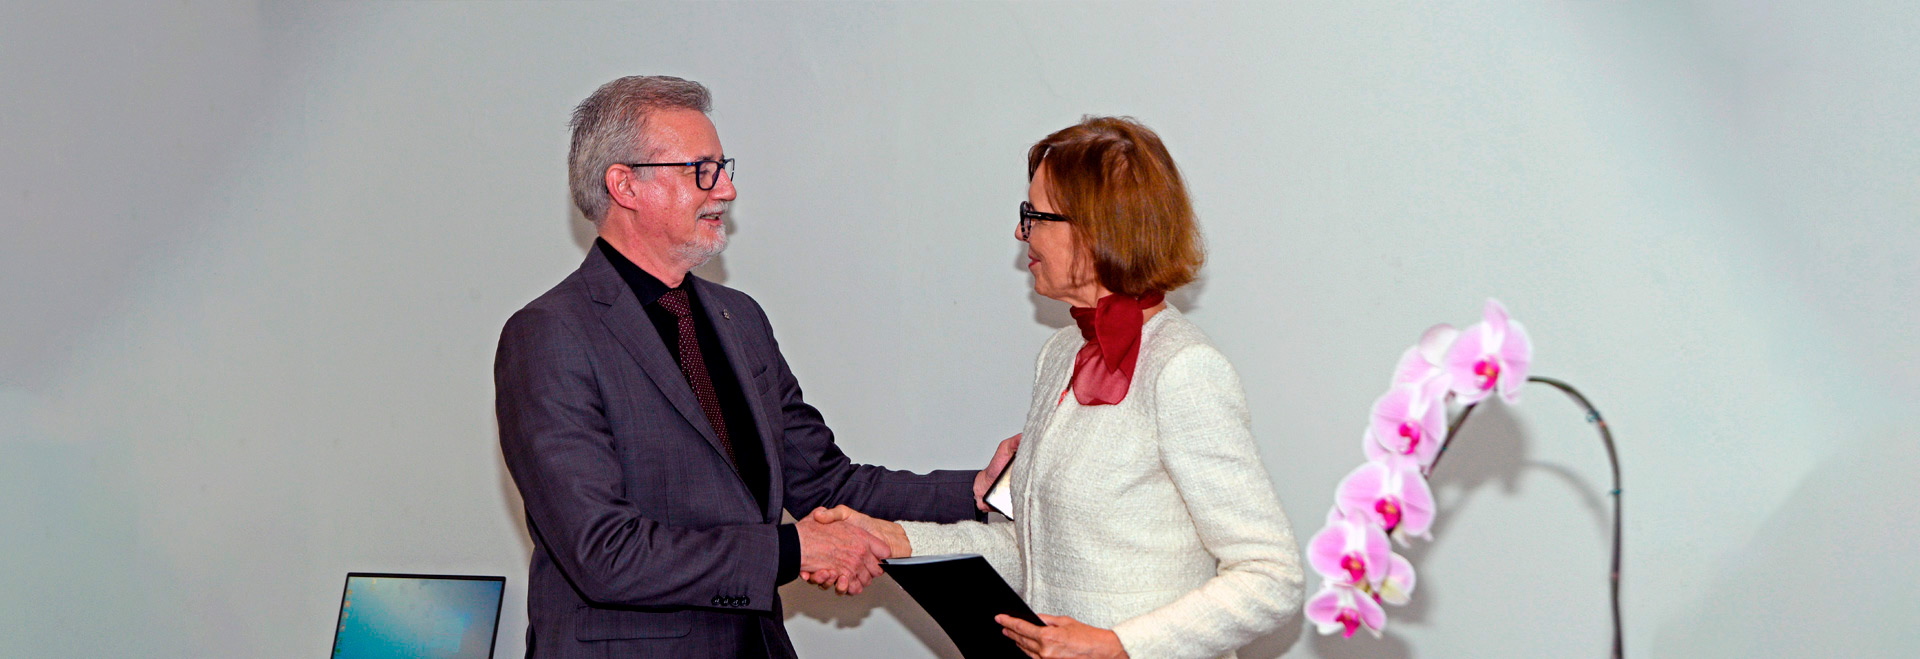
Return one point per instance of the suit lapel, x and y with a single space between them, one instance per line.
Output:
622 315
733 341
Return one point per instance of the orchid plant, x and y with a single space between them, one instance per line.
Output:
1386 500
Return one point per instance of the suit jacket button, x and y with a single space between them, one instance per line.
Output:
717 601
745 601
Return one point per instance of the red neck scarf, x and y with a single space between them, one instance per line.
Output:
1104 368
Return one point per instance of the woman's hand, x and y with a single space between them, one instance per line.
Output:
1063 637
888 532
842 555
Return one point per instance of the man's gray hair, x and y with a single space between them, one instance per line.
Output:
610 128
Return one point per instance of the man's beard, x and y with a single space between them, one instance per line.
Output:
708 242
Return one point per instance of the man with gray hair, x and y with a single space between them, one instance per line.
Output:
653 427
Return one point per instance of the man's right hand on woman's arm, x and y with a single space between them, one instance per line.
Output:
983 481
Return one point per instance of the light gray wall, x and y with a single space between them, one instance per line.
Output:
255 257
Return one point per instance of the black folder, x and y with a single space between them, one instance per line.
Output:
963 593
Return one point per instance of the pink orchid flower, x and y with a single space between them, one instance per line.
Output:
1426 360
1375 450
1494 353
1397 587
1411 419
1391 494
1341 607
1350 549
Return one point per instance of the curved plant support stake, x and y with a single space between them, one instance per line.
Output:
1606 437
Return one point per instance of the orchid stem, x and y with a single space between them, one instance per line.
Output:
1452 428
1613 459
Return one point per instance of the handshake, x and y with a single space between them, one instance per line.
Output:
841 548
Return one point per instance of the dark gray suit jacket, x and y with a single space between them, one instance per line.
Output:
647 543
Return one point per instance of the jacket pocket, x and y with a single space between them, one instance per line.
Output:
606 624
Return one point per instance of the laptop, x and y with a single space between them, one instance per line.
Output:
418 615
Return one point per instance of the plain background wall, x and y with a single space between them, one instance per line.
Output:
255 258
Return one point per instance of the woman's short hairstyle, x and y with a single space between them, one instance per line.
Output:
1114 180
610 128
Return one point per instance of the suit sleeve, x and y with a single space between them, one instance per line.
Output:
817 474
1206 446
559 448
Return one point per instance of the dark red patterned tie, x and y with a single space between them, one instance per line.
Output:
694 366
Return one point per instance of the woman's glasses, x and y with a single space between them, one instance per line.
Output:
1028 216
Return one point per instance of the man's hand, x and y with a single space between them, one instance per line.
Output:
888 532
1062 638
843 555
983 481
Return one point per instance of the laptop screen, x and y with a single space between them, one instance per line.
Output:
418 615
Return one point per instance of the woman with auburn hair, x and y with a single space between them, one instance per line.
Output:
1143 523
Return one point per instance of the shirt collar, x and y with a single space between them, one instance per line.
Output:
646 287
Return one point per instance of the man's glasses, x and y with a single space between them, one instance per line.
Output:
706 173
1028 216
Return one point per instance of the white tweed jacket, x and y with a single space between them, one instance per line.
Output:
1153 517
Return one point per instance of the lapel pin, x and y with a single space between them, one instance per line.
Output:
726 314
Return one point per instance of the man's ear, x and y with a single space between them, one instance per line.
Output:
622 186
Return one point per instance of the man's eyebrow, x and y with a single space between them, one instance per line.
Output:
689 158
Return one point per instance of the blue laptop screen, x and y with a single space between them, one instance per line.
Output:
417 616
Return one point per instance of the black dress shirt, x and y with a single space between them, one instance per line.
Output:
749 457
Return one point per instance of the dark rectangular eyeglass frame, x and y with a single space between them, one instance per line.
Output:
700 177
1028 216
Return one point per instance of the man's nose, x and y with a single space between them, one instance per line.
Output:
723 187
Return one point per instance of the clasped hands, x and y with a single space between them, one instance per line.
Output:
842 548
